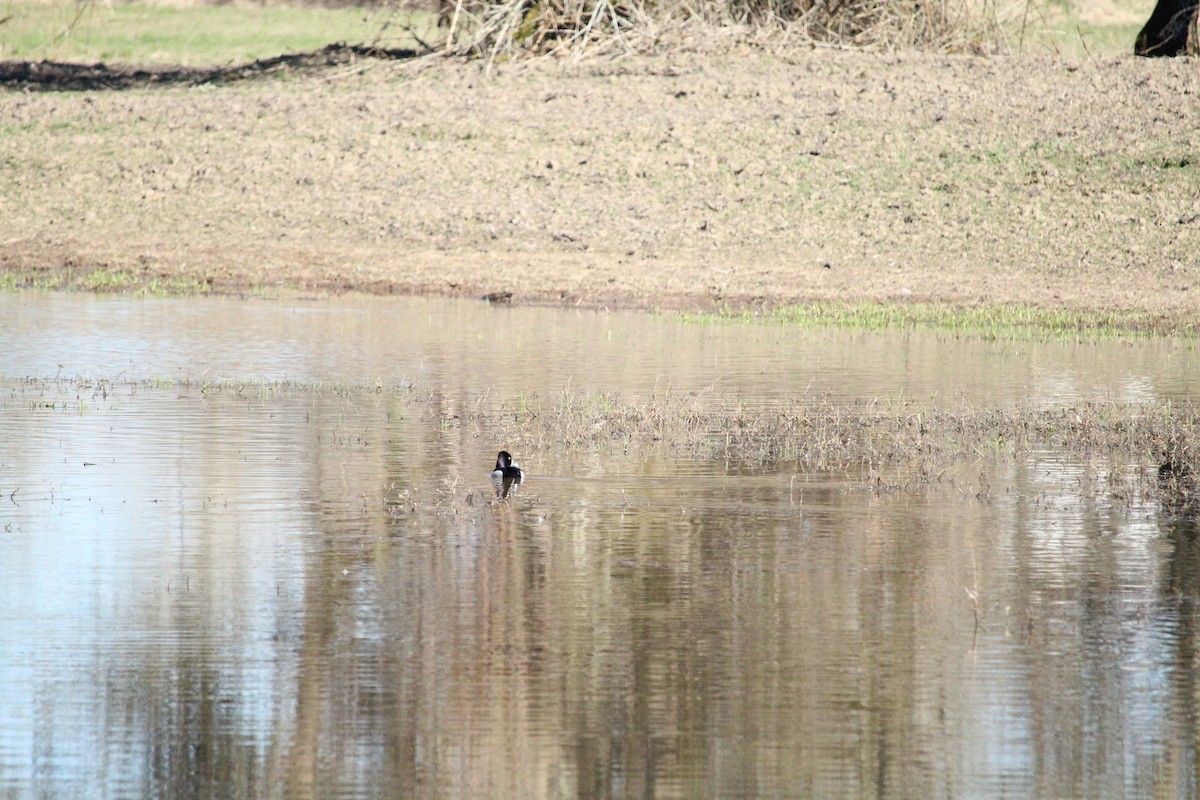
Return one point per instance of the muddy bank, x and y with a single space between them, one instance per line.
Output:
690 181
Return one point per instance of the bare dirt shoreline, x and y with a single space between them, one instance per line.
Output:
687 181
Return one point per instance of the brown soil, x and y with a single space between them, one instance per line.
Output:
692 180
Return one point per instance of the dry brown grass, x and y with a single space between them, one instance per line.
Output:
1136 451
504 29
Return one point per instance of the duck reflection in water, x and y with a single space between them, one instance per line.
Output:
506 476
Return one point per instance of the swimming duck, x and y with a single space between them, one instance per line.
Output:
505 468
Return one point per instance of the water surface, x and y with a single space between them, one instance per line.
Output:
262 591
468 347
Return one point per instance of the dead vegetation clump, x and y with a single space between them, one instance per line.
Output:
504 29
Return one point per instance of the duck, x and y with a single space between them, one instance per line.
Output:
505 468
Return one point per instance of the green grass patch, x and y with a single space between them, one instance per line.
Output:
47 281
1077 29
201 35
104 281
1070 35
1001 321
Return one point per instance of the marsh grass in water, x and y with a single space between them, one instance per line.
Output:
823 434
1137 450
999 321
1158 442
1131 450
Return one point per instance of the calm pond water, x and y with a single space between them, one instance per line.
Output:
286 592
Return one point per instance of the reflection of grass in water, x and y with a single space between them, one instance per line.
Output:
988 320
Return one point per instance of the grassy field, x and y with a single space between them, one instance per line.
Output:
209 34
140 33
1074 28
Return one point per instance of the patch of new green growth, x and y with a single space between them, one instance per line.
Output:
260 389
106 280
199 35
175 285
102 280
1006 321
11 281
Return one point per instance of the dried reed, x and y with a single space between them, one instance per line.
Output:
822 434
